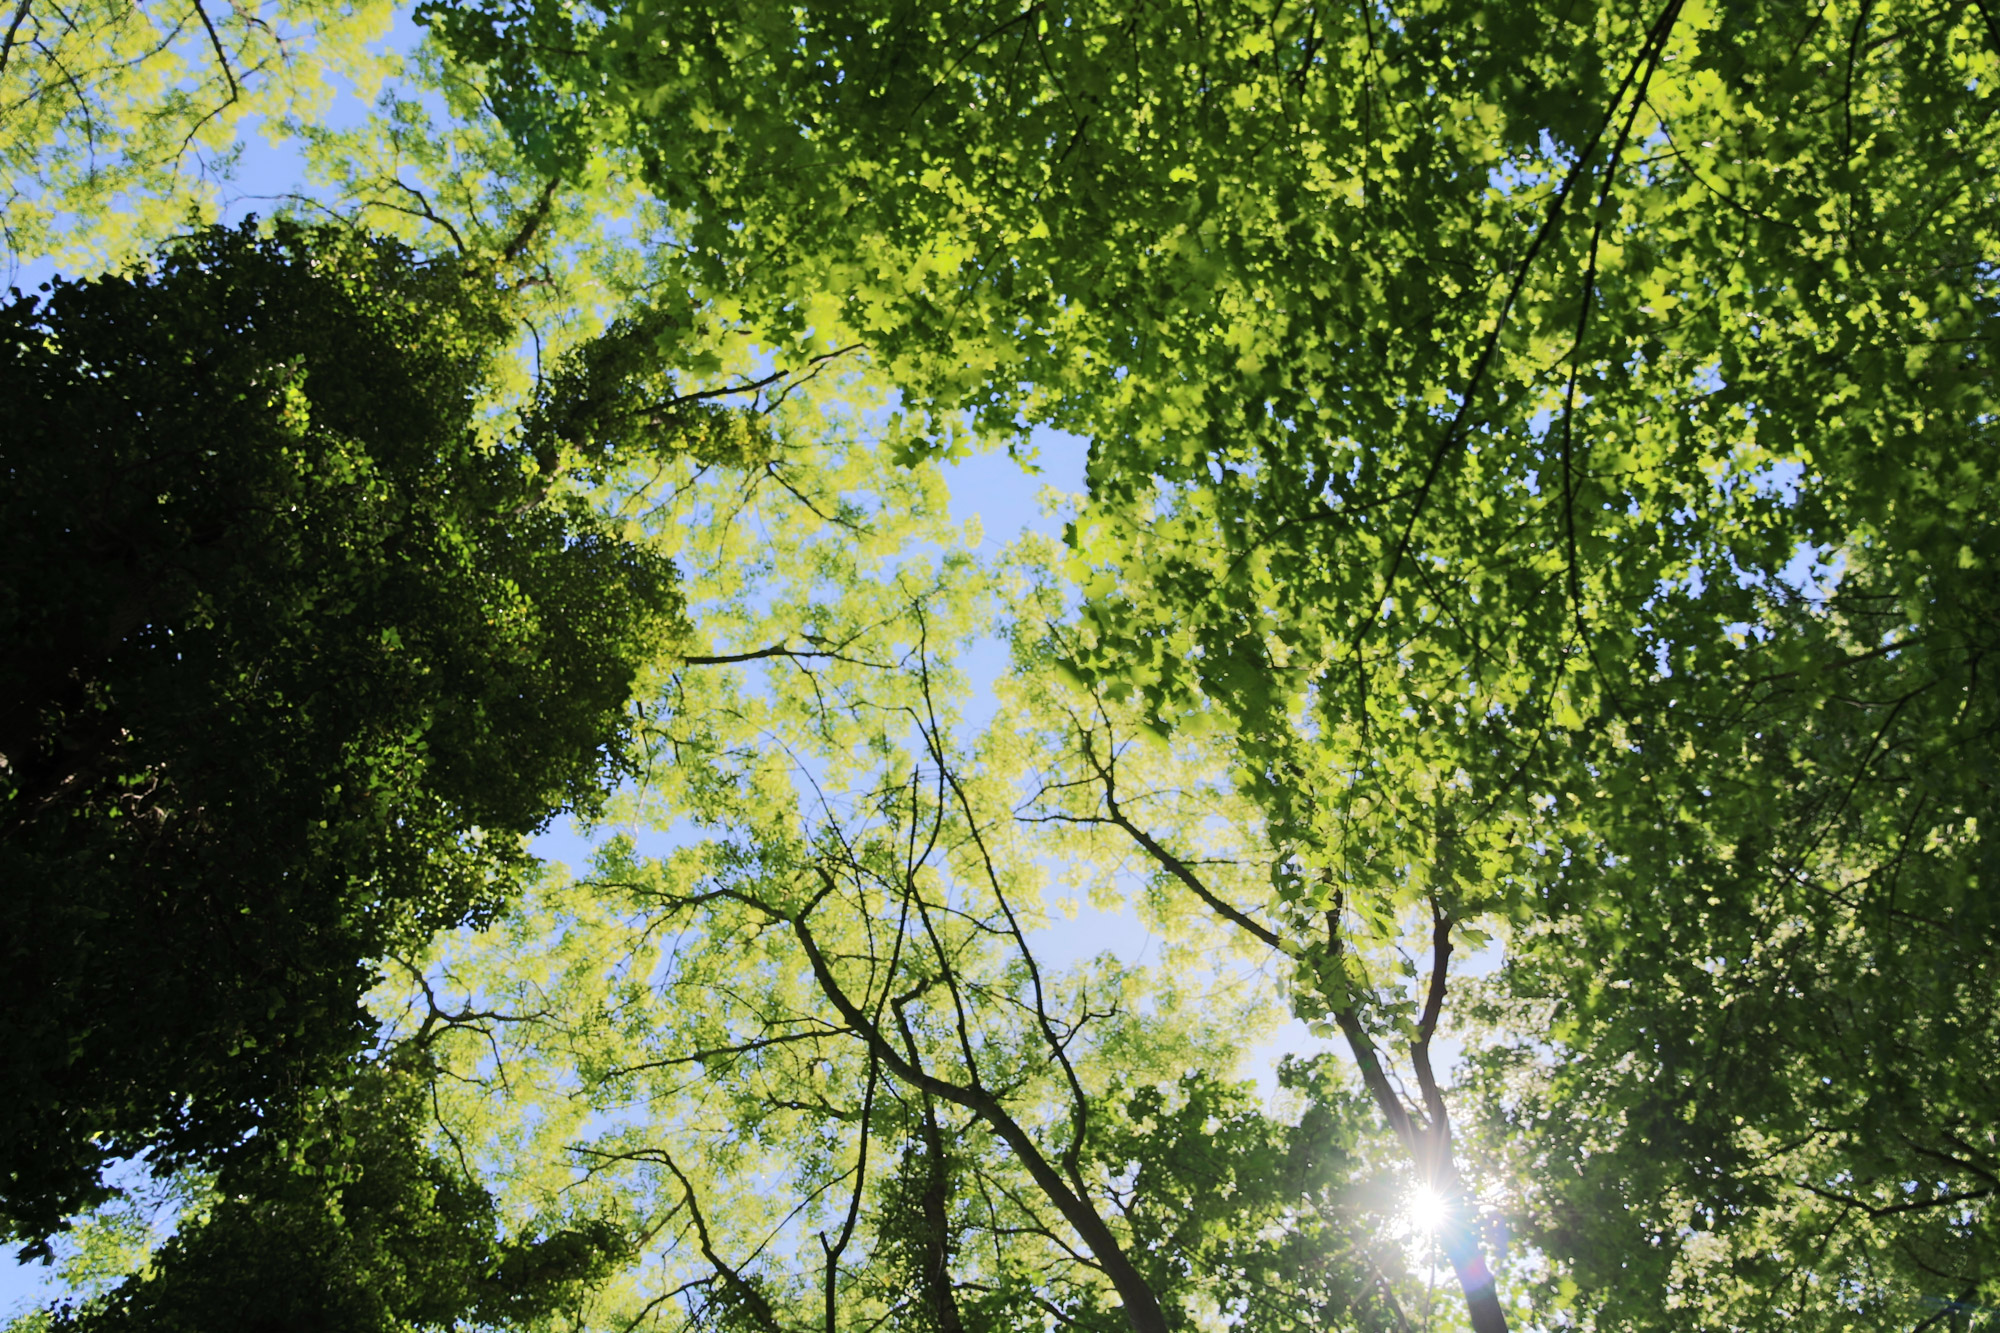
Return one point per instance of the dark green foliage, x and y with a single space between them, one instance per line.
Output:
333 1220
1279 1226
290 657
1770 1053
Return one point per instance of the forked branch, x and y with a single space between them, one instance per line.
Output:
1142 1306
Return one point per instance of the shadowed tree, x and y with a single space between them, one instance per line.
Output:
293 651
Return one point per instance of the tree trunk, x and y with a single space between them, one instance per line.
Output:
1475 1279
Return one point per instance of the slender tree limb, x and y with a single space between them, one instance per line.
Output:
778 650
1079 1104
716 1052
425 211
214 41
1890 1210
1142 1306
1572 563
1954 1306
1174 865
438 1020
811 367
13 28
833 1250
1649 54
961 1024
744 1290
1420 1049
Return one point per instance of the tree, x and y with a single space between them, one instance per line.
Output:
1760 1077
338 1219
1462 383
293 655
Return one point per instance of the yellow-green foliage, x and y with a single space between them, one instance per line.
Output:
120 122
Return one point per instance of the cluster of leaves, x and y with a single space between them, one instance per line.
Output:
1765 1054
293 657
118 120
337 1218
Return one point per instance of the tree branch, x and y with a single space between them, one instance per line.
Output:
1649 55
537 214
7 42
1572 563
215 41
937 1247
741 1287
1178 868
1890 1210
781 650
833 1251
1079 1104
745 1048
1142 1307
1420 1049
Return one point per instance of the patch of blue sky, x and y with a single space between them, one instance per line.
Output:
151 1207
27 1287
1007 501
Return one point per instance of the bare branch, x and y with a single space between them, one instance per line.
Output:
1079 1104
1420 1049
1648 58
1142 1306
1174 865
833 1250
745 1048
811 367
425 211
215 41
438 1020
746 1291
786 651
14 27
1890 1210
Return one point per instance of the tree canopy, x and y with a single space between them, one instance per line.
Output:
1533 596
1470 394
294 654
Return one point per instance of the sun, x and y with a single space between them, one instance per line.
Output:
1426 1210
